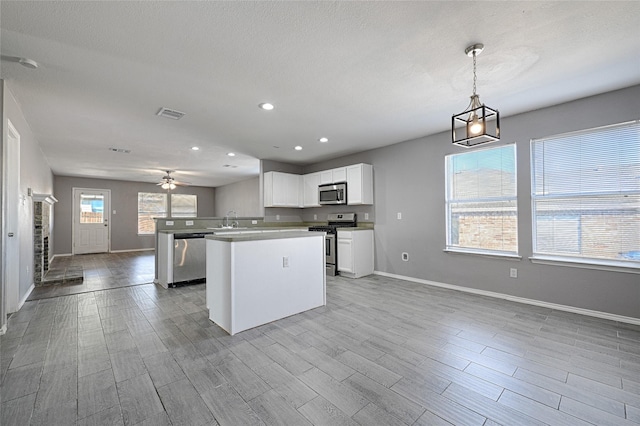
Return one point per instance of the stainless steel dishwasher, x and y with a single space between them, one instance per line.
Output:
189 260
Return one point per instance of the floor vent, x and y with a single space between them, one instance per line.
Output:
170 113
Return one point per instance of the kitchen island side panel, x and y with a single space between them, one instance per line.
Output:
219 283
266 289
254 280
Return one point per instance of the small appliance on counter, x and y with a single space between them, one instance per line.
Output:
335 221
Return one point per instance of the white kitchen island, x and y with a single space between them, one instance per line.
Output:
254 279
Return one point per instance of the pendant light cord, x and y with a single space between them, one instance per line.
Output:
474 72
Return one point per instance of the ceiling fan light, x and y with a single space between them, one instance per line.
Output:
172 186
165 185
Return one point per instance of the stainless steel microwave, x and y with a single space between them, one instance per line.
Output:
332 193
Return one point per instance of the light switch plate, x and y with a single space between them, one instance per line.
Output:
399 215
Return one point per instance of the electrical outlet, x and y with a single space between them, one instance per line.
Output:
513 273
114 212
315 217
285 261
169 223
399 215
277 217
366 216
254 222
405 256
189 223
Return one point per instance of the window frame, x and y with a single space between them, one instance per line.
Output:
171 205
166 210
558 258
449 247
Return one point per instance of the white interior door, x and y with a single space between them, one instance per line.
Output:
91 220
11 243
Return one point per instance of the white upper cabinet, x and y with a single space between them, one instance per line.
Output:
282 190
333 175
339 174
360 184
289 190
310 183
326 177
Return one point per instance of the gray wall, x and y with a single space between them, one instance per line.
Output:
242 197
124 199
409 178
35 173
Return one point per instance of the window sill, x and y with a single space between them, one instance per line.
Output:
484 253
601 265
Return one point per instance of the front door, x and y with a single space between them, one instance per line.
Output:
91 220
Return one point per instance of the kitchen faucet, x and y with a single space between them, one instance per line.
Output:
226 219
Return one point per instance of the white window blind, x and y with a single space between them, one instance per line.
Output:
481 201
184 205
586 195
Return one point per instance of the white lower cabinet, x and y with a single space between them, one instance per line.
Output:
355 252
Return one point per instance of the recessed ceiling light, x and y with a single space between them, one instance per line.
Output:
323 140
231 154
195 148
298 148
266 106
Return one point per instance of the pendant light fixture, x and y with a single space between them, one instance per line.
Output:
478 124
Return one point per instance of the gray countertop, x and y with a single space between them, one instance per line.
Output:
216 230
263 236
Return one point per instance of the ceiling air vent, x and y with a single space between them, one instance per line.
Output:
229 165
170 113
120 150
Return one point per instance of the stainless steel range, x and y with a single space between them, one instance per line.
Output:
335 221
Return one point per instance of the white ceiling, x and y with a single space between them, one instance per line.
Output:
363 74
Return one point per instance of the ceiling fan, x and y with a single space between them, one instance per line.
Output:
169 182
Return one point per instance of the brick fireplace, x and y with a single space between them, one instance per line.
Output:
41 224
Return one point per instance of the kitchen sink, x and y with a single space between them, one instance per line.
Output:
227 228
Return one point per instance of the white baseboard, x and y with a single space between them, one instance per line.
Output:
26 296
60 255
125 251
558 307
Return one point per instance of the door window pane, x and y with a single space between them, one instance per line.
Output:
91 208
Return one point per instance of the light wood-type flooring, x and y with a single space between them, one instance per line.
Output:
382 352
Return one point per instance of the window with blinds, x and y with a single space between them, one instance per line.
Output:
184 205
586 195
150 205
481 201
